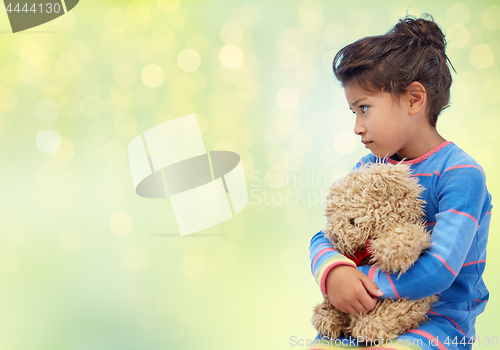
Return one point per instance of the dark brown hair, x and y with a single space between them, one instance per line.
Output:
414 50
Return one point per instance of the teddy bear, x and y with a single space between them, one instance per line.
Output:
375 216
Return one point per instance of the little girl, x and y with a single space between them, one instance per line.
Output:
397 84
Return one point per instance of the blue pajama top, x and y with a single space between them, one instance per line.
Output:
458 212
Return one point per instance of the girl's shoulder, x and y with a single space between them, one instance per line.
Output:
445 157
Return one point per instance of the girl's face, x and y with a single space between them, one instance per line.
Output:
384 125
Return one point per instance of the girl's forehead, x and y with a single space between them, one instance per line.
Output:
355 94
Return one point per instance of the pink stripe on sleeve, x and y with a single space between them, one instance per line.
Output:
321 252
474 262
322 283
393 286
454 323
465 214
371 272
446 264
465 166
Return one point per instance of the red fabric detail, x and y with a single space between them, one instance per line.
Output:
362 253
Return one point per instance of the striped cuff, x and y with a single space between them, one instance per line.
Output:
327 266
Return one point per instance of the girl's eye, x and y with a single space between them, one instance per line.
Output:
363 108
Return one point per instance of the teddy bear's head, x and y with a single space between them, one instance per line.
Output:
378 202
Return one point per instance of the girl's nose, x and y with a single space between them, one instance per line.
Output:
359 128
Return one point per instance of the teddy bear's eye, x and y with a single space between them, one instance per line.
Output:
352 222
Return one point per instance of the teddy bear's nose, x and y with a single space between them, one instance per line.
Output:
335 238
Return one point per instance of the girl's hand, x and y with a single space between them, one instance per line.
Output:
351 291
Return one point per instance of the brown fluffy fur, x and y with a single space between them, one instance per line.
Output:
383 200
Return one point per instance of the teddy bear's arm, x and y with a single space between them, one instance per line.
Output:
397 249
324 258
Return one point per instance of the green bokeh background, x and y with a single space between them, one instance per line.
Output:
86 264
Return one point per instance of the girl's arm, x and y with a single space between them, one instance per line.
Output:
463 202
324 257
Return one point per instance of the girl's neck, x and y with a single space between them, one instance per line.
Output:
421 144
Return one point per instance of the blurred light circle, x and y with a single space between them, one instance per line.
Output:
152 75
466 83
192 267
69 239
168 5
138 12
228 252
31 52
47 110
116 174
65 22
490 91
335 35
290 37
231 56
345 142
275 177
114 152
189 60
231 33
226 144
287 98
67 66
116 20
301 142
458 13
70 106
491 16
125 75
8 100
136 259
312 20
306 76
457 35
121 223
163 37
48 141
242 137
30 72
482 56
92 107
290 57
66 151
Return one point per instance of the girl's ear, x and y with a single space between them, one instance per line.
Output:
417 98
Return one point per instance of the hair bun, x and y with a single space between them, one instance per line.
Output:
427 32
